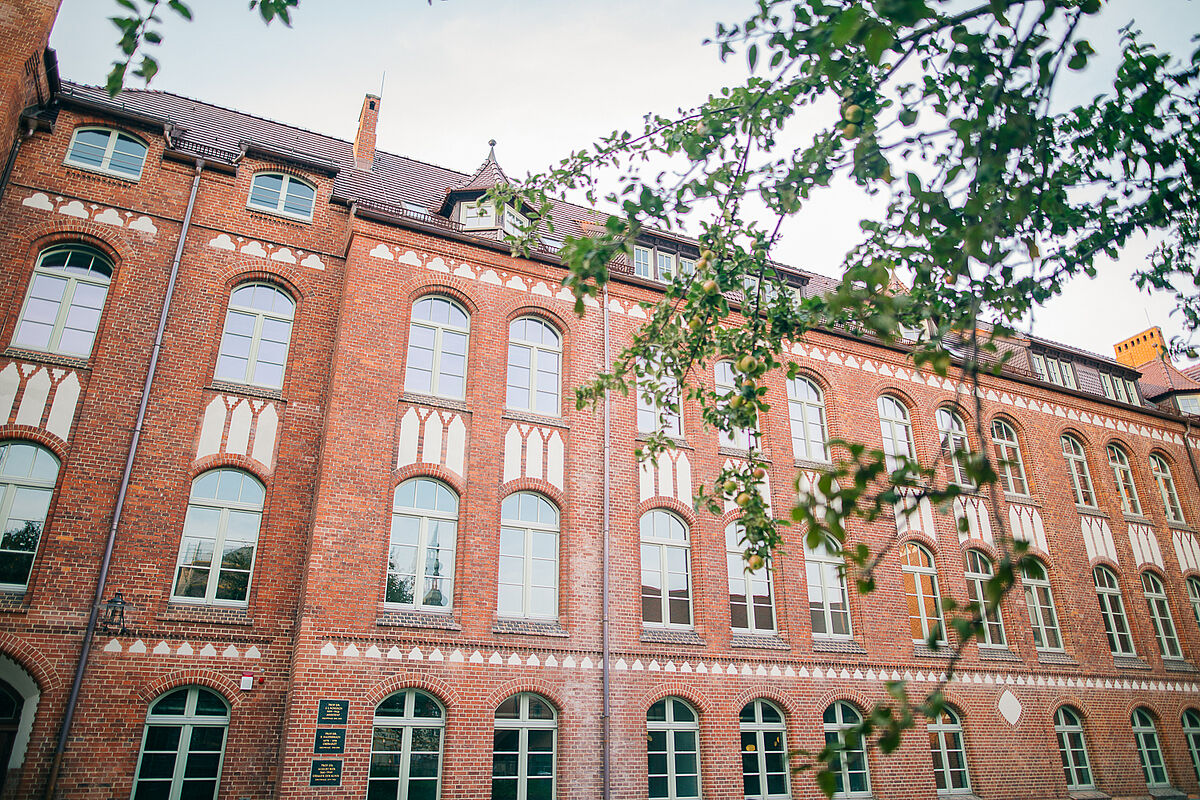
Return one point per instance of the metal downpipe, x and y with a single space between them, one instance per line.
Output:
605 714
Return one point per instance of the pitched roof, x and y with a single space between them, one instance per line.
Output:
1160 377
487 176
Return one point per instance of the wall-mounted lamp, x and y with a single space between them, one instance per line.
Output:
114 615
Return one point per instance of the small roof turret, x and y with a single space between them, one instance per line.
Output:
488 175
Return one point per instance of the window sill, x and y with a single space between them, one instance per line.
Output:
1021 499
45 357
1166 793
209 615
804 463
433 400
245 388
1088 794
279 216
997 654
534 419
1180 526
1056 657
679 442
958 796
671 636
741 452
762 641
1139 519
96 172
411 618
1090 511
1129 662
922 650
1177 665
830 644
530 627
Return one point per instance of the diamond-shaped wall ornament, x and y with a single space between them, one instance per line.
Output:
1010 707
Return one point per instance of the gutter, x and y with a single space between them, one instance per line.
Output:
22 135
101 580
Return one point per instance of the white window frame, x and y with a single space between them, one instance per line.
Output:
1161 471
405 725
643 261
924 588
1118 460
1043 616
1010 464
806 414
835 730
186 723
978 571
512 222
757 729
1150 754
895 427
825 574
1112 611
105 166
725 386
476 215
439 329
65 303
952 432
1134 398
745 582
532 569
523 724
946 740
280 207
1160 616
1190 721
536 350
1193 590
425 515
664 418
1077 469
669 727
260 316
663 545
218 539
12 485
1072 748
1106 384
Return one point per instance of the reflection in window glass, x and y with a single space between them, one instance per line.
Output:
220 536
523 748
28 473
672 750
666 573
764 752
406 747
421 556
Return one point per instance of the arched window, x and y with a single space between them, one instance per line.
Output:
764 752
949 754
1112 609
183 745
1166 487
1068 728
66 296
437 348
1160 615
421 558
406 747
978 572
220 536
534 366
672 750
1039 602
658 407
896 428
666 570
849 767
1193 589
1119 461
921 592
282 194
953 434
258 329
1008 458
1077 467
1145 733
751 602
828 604
106 150
726 386
806 408
28 473
523 748
528 584
1191 732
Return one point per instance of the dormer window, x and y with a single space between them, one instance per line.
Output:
277 193
475 216
108 151
1120 389
514 222
1054 370
660 265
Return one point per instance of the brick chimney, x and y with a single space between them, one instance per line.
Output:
364 140
1137 350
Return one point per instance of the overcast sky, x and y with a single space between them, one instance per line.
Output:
544 77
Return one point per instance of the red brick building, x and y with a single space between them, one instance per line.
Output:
355 562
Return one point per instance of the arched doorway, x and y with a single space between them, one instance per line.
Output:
11 705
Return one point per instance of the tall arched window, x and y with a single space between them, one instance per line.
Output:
534 366
978 572
1077 467
806 409
1193 590
764 752
1145 734
66 296
1160 615
949 754
658 407
953 434
1166 487
437 348
523 748
183 745
1112 609
828 604
258 330
282 194
1191 732
1039 602
1068 728
896 428
849 768
726 386
1008 458
673 750
666 570
921 593
406 747
107 150
28 473
220 536
528 584
751 603
421 557
1123 474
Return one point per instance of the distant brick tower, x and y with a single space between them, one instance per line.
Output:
1137 350
24 31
